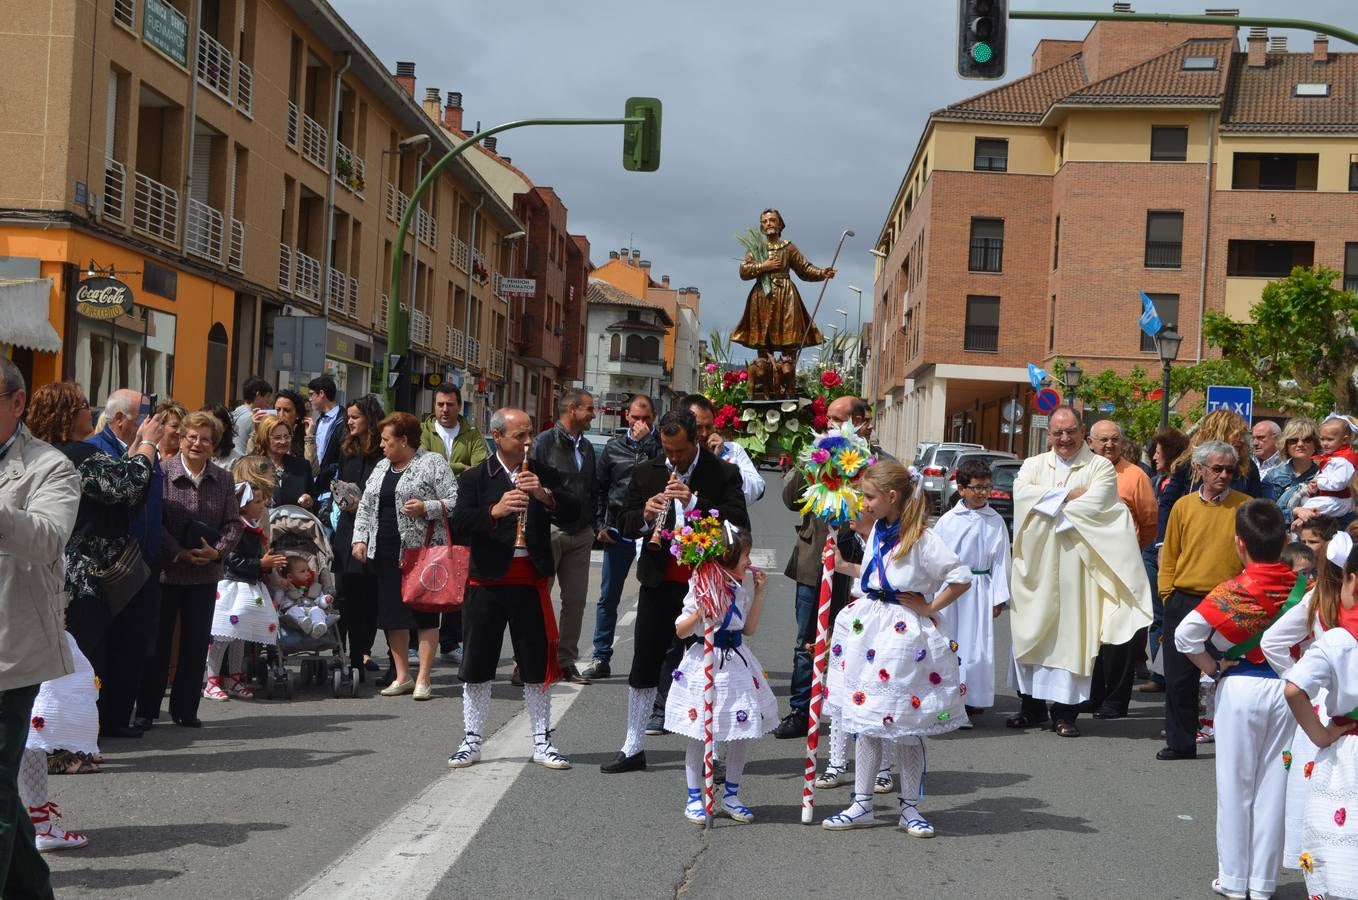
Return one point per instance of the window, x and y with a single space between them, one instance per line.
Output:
615 347
1313 89
1351 267
983 324
1353 171
1169 143
1051 326
1056 245
1199 63
987 246
1274 171
1167 308
1267 259
1164 240
992 155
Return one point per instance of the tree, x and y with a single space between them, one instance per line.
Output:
1135 397
1299 346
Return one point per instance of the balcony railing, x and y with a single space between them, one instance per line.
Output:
381 315
306 276
349 170
235 257
473 352
982 337
292 124
115 189
155 209
214 66
245 89
987 255
456 346
497 362
125 12
421 329
426 229
203 231
315 141
285 268
339 292
1164 254
1351 283
460 254
396 203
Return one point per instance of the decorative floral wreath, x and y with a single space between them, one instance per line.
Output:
699 543
833 463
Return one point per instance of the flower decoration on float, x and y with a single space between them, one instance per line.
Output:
832 464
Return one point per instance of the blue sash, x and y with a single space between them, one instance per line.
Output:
887 538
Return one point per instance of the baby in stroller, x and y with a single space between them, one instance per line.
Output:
304 592
303 597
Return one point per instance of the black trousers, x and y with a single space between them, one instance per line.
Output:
358 614
656 651
117 647
191 606
1036 709
485 614
450 631
23 873
1114 671
1181 678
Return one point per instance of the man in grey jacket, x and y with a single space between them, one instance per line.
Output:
39 496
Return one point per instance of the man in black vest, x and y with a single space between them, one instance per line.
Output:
508 584
686 476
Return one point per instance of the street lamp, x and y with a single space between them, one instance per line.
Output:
1167 345
875 252
1071 376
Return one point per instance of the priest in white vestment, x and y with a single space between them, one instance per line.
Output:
1077 579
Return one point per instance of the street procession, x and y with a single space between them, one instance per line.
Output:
377 519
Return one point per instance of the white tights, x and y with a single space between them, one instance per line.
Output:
232 651
910 757
33 778
735 754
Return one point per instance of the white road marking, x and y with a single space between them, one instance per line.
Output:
409 854
764 558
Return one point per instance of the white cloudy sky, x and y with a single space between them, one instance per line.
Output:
809 106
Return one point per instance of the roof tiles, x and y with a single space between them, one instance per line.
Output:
1263 100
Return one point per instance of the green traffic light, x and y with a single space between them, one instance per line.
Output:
981 52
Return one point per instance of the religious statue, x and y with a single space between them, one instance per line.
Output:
775 318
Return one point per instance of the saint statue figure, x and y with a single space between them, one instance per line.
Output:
775 318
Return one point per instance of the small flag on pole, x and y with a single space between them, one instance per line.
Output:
1150 319
1036 376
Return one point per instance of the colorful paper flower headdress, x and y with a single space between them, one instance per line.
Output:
833 464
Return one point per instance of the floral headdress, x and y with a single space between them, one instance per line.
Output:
833 464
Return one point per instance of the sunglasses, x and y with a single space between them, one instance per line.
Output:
1219 470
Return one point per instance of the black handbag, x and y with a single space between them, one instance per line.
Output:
196 532
120 581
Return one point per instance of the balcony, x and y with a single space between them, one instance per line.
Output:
214 66
306 276
421 329
235 257
460 254
125 13
115 189
474 352
343 294
155 209
285 268
426 229
497 362
1164 254
293 116
203 231
1351 283
315 142
455 346
985 338
245 88
349 170
634 367
1241 294
396 203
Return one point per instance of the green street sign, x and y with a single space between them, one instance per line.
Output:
641 141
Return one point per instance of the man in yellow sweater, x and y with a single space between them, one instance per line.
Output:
1198 554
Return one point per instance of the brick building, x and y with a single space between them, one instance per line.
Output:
1147 157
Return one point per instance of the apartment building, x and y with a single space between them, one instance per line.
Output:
624 354
233 163
1148 157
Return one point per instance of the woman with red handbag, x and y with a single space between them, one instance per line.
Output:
405 491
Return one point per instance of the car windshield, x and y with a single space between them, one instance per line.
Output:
1003 477
944 457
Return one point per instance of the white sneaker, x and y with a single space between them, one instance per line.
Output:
468 752
50 835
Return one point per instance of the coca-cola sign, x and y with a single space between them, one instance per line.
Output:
103 298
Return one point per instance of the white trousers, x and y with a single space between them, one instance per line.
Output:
1252 730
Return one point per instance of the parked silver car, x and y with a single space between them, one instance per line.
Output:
989 457
934 465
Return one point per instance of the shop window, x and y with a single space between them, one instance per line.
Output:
134 351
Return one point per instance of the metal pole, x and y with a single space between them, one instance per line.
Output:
1233 21
1164 398
398 332
467 313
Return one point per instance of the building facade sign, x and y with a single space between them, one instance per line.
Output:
166 29
103 298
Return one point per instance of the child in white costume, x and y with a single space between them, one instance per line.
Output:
743 705
1282 645
893 675
978 536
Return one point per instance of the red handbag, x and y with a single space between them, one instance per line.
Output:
434 577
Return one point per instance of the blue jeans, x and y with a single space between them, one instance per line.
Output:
1151 557
799 697
617 563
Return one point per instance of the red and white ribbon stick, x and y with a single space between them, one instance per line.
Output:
709 745
818 678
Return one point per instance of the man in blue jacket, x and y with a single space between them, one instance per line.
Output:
132 632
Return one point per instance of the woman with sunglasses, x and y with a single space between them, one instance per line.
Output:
1286 484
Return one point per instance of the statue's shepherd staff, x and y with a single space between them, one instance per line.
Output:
811 322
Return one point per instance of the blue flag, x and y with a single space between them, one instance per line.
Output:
1150 319
1036 376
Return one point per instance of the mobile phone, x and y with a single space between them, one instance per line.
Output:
148 404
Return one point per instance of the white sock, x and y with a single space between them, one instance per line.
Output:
839 744
538 699
867 758
235 657
693 764
475 706
910 757
737 753
33 778
639 702
215 653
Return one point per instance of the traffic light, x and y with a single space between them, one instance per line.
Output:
981 37
641 141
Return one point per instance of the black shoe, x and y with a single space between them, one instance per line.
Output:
598 669
573 675
1088 706
1169 753
372 666
656 725
634 763
144 723
718 772
122 731
1109 712
188 721
794 725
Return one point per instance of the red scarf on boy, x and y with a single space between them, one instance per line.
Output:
1244 606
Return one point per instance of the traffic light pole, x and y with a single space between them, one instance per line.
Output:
400 393
1267 21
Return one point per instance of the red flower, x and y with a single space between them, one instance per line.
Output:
914 701
820 422
39 722
743 375
1340 816
830 378
692 714
729 379
1309 766
819 406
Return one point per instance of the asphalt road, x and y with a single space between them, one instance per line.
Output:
352 798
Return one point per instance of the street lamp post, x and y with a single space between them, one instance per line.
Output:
1167 345
1070 376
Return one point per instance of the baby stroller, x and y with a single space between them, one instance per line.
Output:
298 535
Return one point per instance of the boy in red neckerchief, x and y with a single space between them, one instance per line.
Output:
1253 724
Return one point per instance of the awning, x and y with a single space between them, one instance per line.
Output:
23 315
